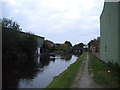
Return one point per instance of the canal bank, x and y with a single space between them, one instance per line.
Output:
88 72
106 75
66 78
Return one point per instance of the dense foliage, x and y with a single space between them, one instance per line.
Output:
78 46
66 47
68 43
48 46
17 46
7 23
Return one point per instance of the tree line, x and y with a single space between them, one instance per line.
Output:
17 46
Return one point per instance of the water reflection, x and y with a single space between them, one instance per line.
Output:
43 60
37 72
11 76
66 56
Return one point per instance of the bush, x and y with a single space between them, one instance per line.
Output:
16 45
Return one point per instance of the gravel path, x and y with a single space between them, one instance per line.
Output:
83 78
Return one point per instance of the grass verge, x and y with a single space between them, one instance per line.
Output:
66 78
101 74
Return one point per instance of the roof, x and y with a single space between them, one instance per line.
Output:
108 1
32 34
103 9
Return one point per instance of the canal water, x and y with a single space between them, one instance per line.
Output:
40 73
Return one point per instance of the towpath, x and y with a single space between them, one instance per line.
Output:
83 78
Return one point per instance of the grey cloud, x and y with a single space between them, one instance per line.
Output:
73 21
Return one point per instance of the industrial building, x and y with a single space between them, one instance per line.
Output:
110 33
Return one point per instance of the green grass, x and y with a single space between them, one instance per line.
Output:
66 78
101 74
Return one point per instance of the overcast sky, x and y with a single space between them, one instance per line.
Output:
57 20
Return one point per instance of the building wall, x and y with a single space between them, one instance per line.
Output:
109 32
40 41
119 33
95 45
40 44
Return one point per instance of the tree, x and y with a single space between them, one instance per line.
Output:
78 46
65 48
16 46
89 44
81 45
68 43
10 43
7 23
49 46
29 44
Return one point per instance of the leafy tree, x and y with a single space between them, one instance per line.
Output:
57 45
16 45
7 23
78 46
29 44
89 44
68 43
10 43
49 46
81 45
65 48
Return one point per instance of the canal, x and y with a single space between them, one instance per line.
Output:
38 73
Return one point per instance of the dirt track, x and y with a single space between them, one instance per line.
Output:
83 78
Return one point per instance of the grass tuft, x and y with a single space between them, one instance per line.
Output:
101 74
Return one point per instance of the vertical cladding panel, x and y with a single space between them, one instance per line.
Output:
119 33
112 39
104 30
101 38
109 32
101 34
